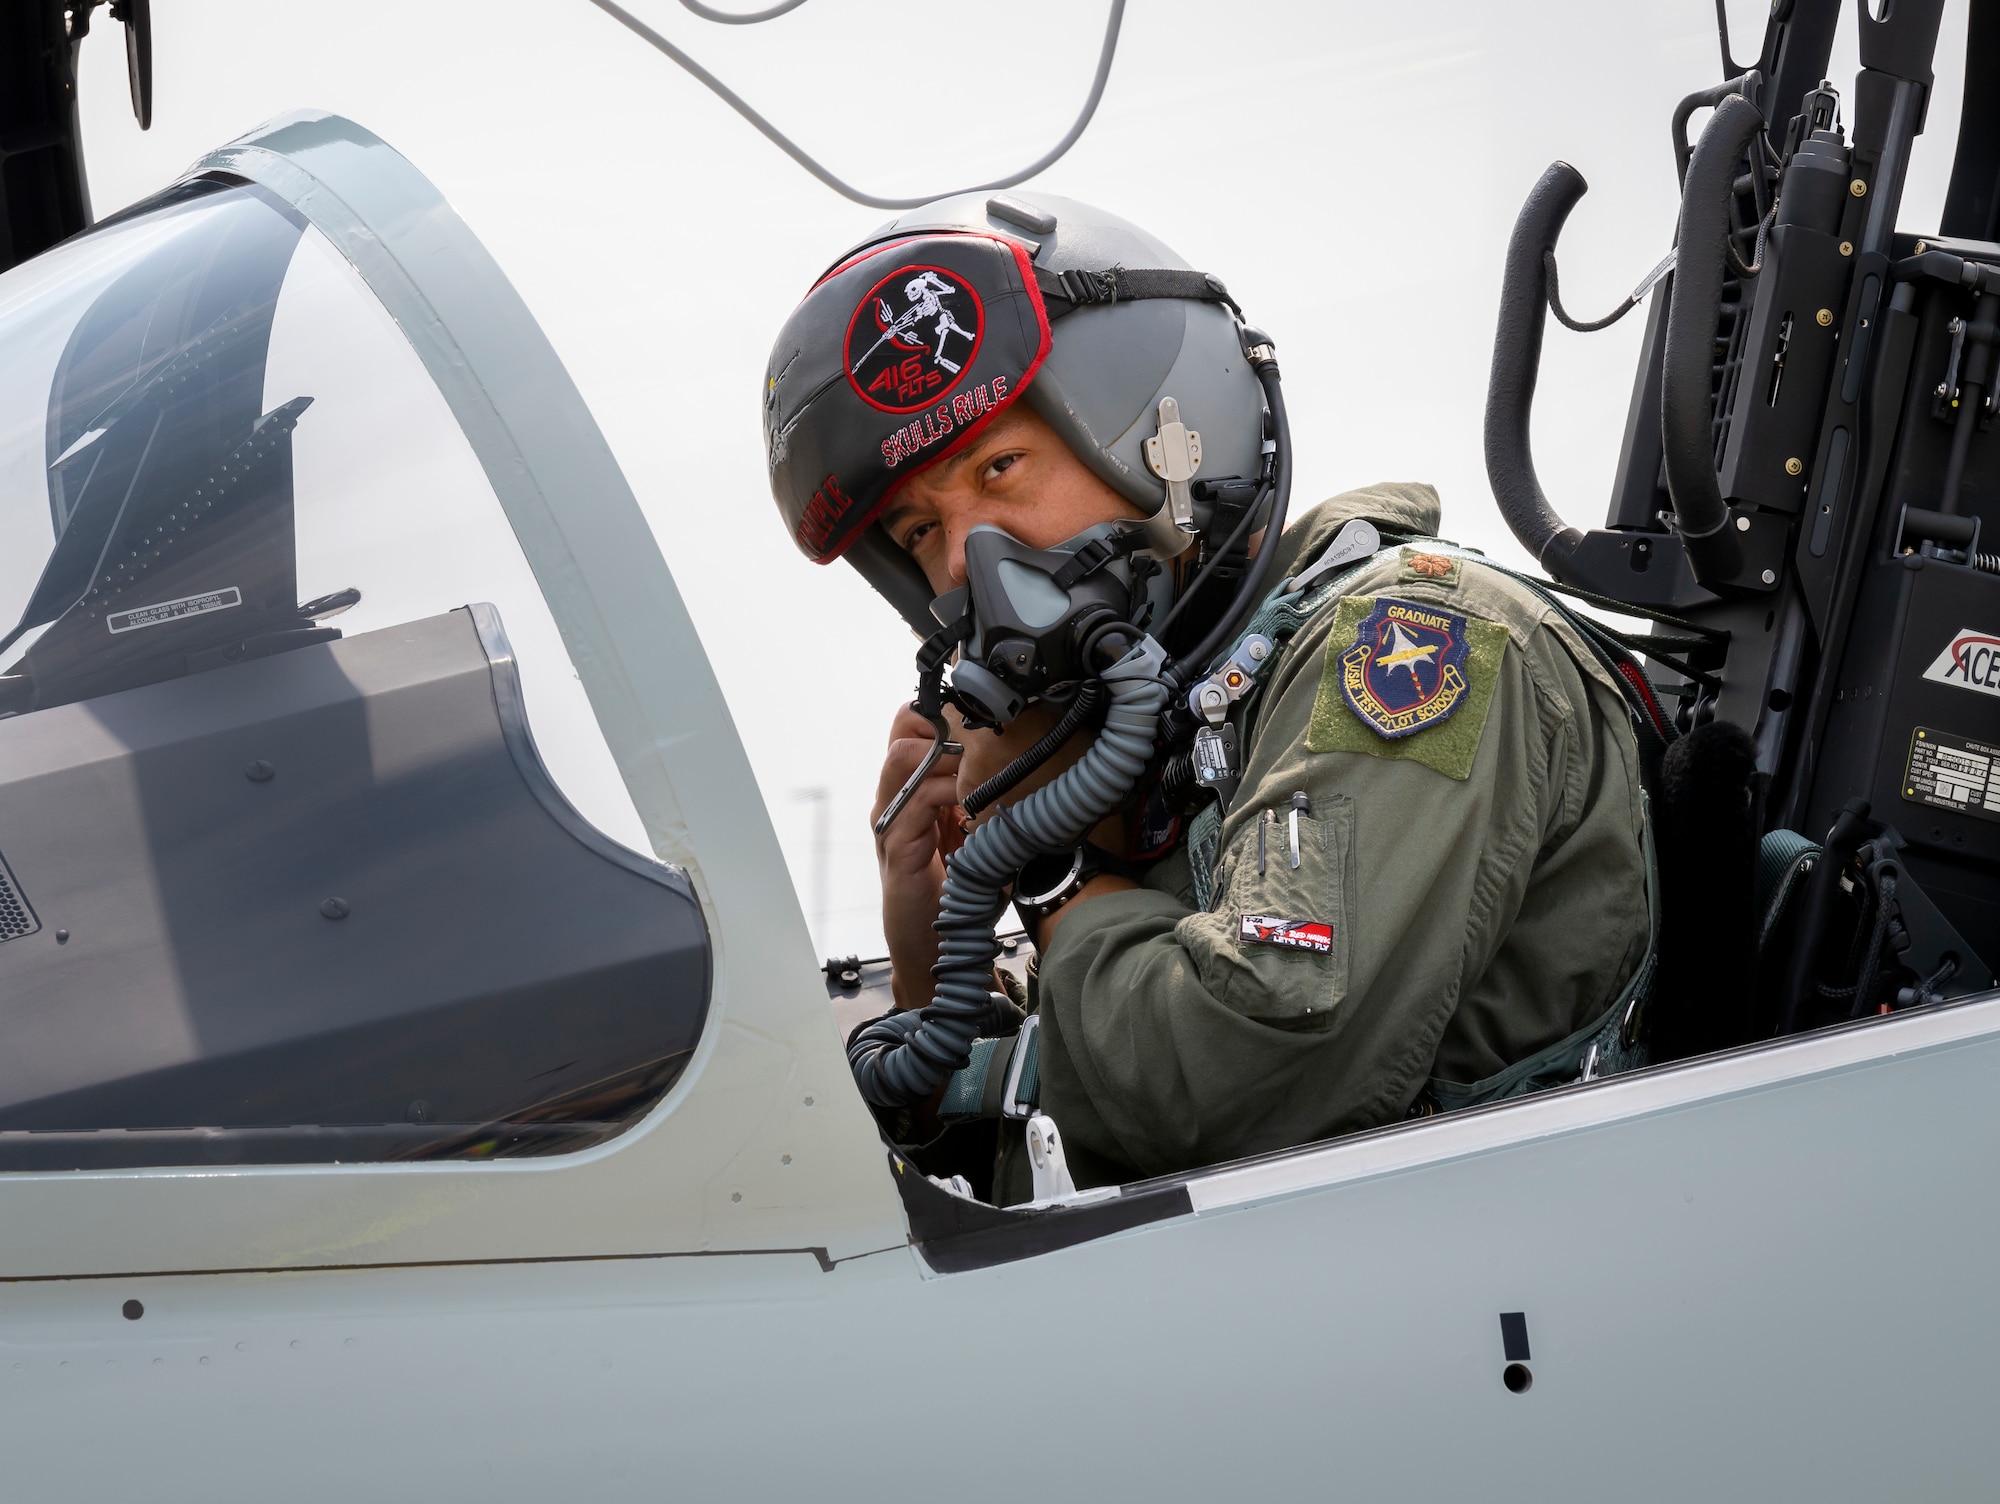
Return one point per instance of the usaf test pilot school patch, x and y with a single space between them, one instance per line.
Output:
1406 670
1408 681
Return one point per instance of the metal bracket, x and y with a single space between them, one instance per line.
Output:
1047 1160
1944 400
1174 454
1356 541
1211 697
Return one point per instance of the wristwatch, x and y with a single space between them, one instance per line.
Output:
1051 880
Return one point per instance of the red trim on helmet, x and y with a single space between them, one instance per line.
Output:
862 255
1022 260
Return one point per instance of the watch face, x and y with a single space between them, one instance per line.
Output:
1048 877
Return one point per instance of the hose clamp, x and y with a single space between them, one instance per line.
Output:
1145 661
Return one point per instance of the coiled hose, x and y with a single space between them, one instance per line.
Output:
1004 782
902 1059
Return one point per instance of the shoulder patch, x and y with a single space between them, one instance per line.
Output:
1406 680
1406 669
1431 569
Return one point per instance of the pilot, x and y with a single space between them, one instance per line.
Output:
1422 884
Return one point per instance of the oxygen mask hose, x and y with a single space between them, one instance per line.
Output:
902 1059
1073 720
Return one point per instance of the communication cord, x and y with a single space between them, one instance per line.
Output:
792 149
740 17
1002 783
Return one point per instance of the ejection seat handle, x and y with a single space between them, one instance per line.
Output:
1517 359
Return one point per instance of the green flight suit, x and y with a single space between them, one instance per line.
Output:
1483 880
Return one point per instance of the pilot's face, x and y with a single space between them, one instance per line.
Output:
1016 476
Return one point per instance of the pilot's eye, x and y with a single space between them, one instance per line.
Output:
1000 466
916 535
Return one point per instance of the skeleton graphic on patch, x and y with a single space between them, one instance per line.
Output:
922 291
902 362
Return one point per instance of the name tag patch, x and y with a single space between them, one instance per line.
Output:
1406 670
1286 934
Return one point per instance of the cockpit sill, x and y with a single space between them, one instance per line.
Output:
953 1234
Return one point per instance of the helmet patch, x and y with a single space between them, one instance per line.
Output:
893 360
912 336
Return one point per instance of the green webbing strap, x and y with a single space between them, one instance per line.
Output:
1782 858
965 1093
1608 1044
980 1088
1028 1090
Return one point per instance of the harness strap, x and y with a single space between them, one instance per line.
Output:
1097 553
1284 611
1784 857
1003 1079
1065 292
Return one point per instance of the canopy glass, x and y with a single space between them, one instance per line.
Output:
311 846
215 443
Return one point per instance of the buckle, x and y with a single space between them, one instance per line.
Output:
1026 1054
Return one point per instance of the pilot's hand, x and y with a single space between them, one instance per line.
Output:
910 856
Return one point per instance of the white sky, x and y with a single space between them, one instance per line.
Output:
1351 169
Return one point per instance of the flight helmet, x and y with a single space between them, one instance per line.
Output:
916 338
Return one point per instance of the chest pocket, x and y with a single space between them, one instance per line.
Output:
1276 940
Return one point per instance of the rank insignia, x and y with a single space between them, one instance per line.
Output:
1419 567
1286 934
1406 669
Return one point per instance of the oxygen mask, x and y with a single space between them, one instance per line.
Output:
1037 622
1032 625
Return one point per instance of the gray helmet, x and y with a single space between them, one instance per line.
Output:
1124 325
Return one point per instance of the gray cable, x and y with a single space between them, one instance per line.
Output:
905 1057
741 18
785 143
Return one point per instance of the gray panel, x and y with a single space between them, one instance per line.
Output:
331 888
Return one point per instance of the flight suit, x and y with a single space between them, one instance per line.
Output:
1470 885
